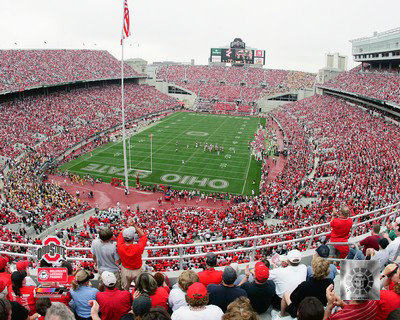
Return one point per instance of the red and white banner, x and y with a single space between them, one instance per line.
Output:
52 275
126 23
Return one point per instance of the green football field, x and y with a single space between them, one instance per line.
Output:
176 161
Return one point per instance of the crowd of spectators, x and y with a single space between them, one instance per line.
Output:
53 123
379 84
230 84
24 69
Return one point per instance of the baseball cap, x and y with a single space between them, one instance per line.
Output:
108 278
141 305
294 256
261 272
211 259
3 263
323 251
197 291
22 265
129 233
229 275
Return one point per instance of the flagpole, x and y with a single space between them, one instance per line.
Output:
123 117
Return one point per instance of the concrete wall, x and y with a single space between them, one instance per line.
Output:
188 100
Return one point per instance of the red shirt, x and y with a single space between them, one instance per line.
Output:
209 276
114 303
340 233
131 254
340 229
362 311
26 299
370 242
389 301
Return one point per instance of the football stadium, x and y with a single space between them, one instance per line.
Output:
257 183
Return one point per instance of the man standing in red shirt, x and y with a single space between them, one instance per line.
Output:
113 303
210 275
340 230
130 253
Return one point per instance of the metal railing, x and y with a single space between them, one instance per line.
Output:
253 241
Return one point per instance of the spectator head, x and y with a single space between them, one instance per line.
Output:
146 284
109 279
211 259
105 234
186 279
320 267
196 295
294 257
394 315
42 304
158 313
17 281
141 305
383 243
129 234
68 265
59 311
82 278
22 265
240 309
5 309
310 309
376 228
345 212
229 276
261 272
322 251
3 264
160 278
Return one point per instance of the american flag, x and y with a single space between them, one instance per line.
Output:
126 25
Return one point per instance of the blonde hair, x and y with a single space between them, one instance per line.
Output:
320 267
240 309
187 278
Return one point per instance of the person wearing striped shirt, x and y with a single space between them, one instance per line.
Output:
353 310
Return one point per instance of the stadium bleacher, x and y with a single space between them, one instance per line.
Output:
24 69
230 84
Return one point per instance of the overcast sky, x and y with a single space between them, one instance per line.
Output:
296 34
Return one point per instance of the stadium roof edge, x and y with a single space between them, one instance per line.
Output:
377 35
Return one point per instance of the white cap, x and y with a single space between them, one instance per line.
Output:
294 256
108 278
129 233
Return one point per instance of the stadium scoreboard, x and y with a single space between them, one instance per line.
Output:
237 56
